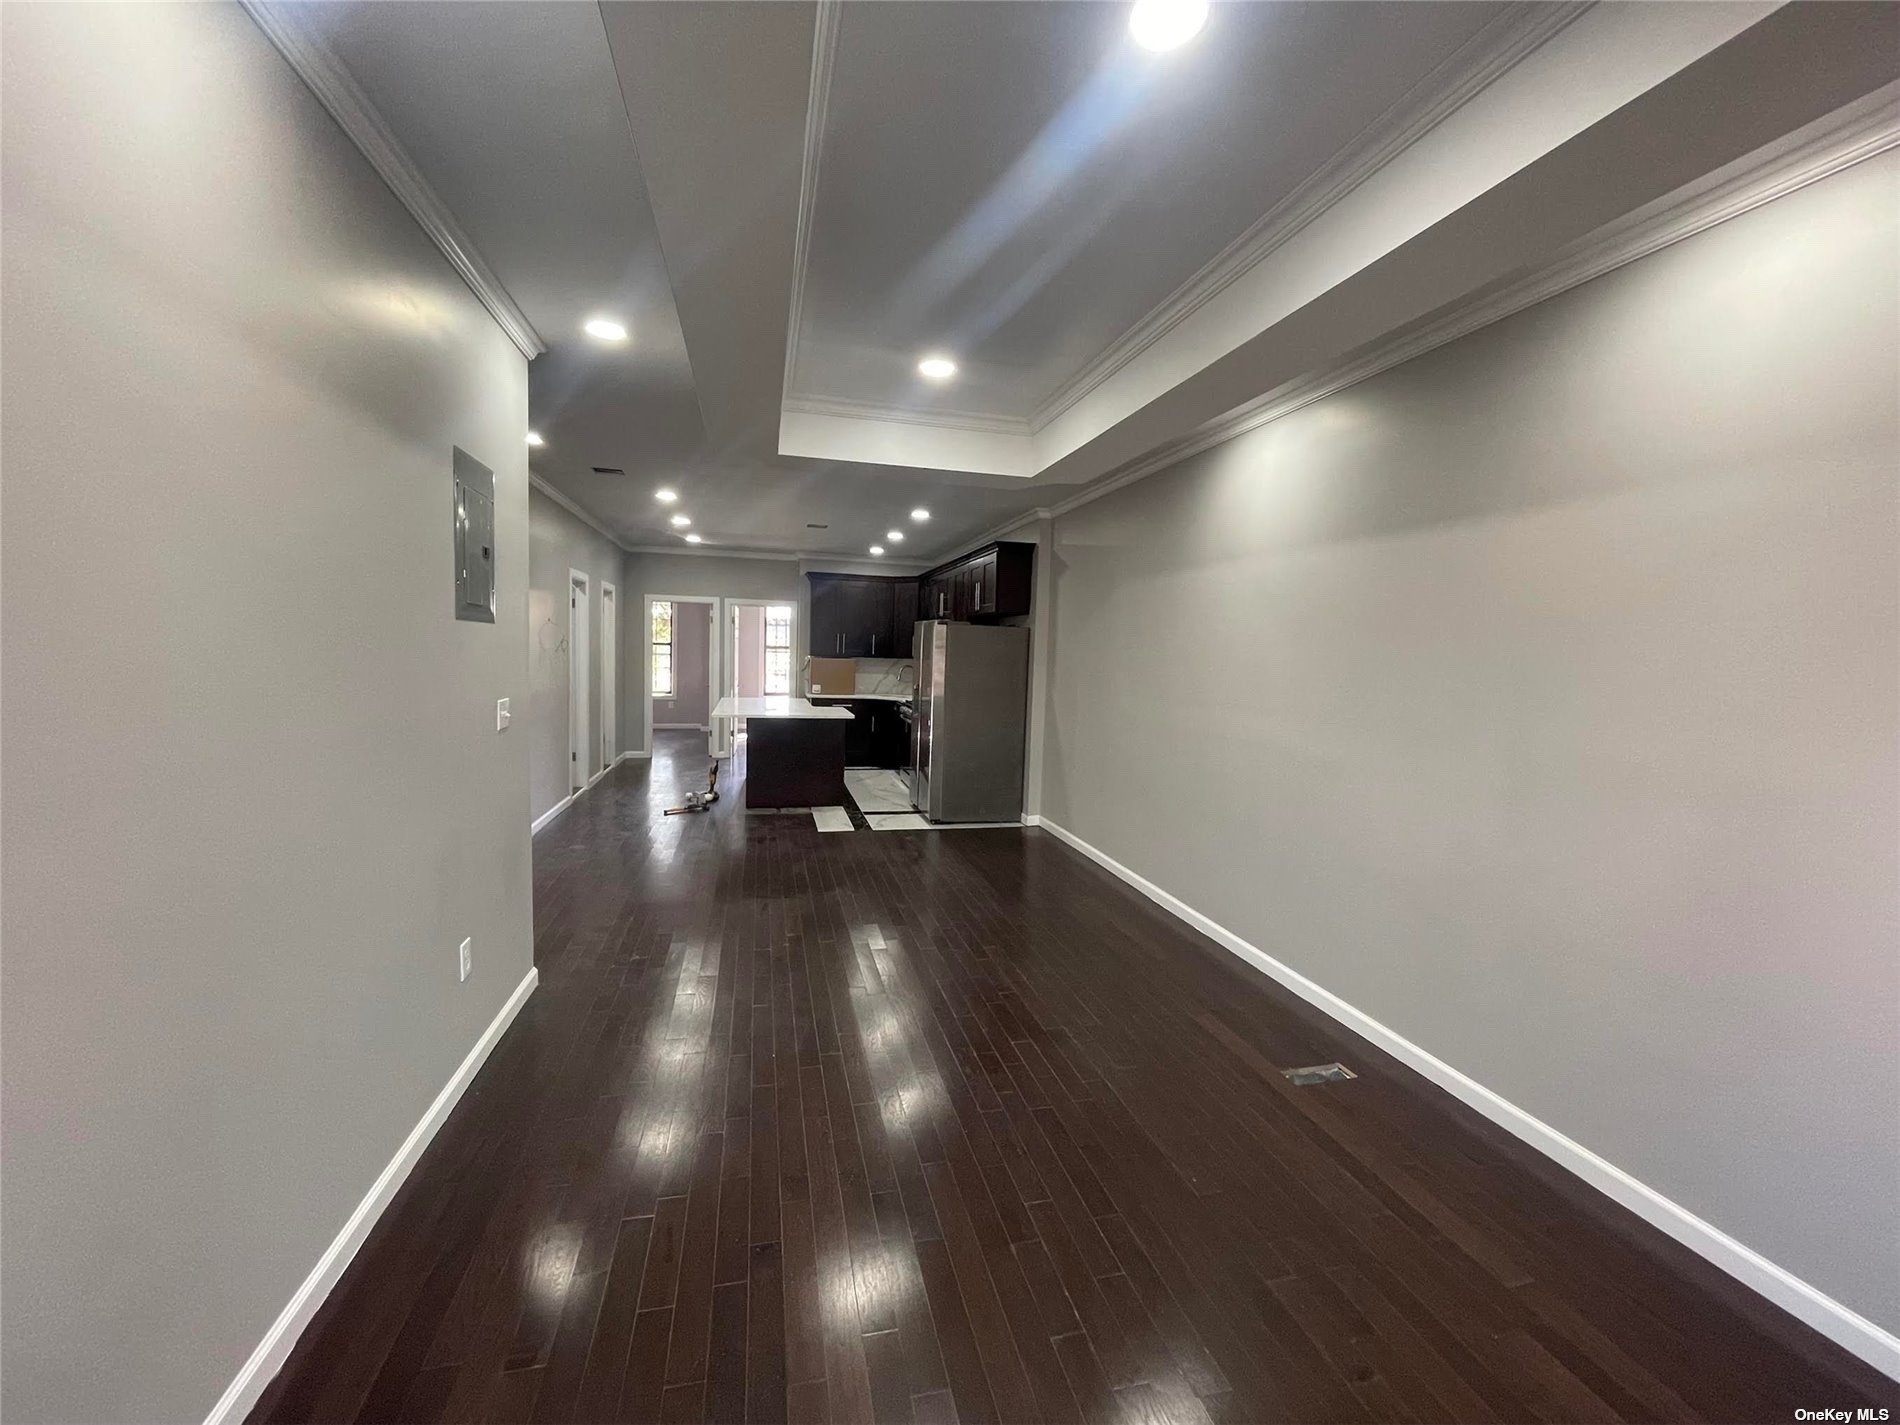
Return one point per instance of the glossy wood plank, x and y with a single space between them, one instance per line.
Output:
952 1127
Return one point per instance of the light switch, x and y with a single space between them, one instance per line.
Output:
502 715
465 956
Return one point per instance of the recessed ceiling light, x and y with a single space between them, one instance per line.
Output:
936 368
604 329
692 539
895 536
534 439
681 521
920 515
1166 24
666 496
877 549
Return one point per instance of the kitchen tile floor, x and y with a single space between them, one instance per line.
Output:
878 790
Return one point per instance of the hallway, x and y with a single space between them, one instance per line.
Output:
932 1128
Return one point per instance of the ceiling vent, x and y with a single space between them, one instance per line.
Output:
608 470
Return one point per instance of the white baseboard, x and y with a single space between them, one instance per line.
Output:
681 727
636 752
1873 1343
567 801
274 1349
547 816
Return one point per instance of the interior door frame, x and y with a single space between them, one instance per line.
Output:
646 665
580 670
728 659
609 675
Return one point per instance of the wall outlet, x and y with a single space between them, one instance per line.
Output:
502 716
466 955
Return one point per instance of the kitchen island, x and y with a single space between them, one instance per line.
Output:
794 750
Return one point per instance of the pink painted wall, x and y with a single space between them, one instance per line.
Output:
750 677
692 648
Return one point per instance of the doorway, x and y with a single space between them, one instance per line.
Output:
681 650
760 638
579 664
609 675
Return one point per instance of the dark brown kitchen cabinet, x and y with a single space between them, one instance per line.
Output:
993 583
871 616
857 616
849 616
983 600
903 618
827 617
876 736
868 620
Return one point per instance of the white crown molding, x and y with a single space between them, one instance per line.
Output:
845 408
848 564
287 25
800 557
700 551
1490 54
824 50
1873 1343
1857 132
567 503
990 536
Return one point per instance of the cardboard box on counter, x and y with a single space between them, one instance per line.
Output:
834 677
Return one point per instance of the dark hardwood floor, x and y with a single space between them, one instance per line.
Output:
954 1127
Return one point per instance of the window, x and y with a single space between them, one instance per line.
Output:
778 649
662 648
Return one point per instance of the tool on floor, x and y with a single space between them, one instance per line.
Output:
699 801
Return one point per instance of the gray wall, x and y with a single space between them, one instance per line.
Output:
557 543
1551 684
692 651
254 795
708 575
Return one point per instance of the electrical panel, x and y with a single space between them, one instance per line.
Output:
474 539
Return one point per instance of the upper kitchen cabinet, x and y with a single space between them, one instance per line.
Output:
992 583
904 617
861 616
870 616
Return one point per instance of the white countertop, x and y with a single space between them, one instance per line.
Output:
862 697
776 707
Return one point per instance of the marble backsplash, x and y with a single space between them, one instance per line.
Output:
886 675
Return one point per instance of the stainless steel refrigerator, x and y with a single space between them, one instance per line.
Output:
970 714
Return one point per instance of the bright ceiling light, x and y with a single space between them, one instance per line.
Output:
936 368
534 439
604 329
666 496
681 521
1166 24
895 536
692 539
920 514
877 549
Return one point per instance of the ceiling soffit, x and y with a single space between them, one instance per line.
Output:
1441 125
